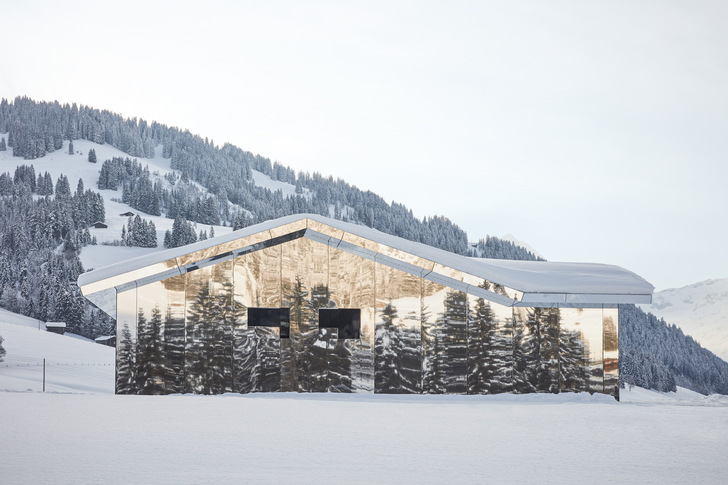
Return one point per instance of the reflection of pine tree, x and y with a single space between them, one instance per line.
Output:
397 364
302 334
611 356
611 336
572 361
522 359
174 349
320 296
223 322
244 356
454 342
362 365
198 345
548 364
125 363
502 380
150 355
340 363
386 374
209 347
481 348
432 381
410 362
536 352
268 370
321 346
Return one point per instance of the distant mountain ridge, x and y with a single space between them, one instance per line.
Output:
699 309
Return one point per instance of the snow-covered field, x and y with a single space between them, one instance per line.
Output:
79 432
73 363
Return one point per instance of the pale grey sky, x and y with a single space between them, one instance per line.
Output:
594 131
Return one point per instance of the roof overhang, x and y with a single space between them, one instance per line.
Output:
509 283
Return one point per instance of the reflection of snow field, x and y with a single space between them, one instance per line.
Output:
279 438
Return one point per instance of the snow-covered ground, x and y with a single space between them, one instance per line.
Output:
79 432
700 310
72 363
325 438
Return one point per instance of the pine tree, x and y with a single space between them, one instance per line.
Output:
2 349
70 147
2 144
92 156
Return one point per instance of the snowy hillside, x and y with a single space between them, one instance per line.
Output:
700 310
77 167
73 364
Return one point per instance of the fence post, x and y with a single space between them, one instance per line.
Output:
43 375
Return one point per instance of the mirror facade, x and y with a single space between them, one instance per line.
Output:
305 316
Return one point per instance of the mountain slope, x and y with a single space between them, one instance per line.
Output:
35 129
700 310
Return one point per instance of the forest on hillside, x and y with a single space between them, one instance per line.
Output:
656 355
36 128
44 224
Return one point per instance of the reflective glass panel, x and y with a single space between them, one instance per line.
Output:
574 368
487 348
397 343
432 337
223 248
126 342
151 361
304 277
610 319
589 323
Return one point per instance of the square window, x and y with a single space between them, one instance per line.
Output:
270 317
347 320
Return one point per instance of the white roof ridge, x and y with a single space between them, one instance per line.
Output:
526 276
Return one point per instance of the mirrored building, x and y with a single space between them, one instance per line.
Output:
311 304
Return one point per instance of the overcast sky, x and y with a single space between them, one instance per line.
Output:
594 131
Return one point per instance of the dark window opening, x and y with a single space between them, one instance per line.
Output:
347 320
270 317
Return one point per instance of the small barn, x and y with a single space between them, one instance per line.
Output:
100 225
127 214
56 327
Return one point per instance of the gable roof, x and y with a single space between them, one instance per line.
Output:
525 283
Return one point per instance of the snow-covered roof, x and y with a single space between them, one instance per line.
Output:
55 324
533 283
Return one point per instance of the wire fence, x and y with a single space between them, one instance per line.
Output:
28 373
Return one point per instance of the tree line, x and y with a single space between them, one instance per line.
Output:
40 238
36 128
